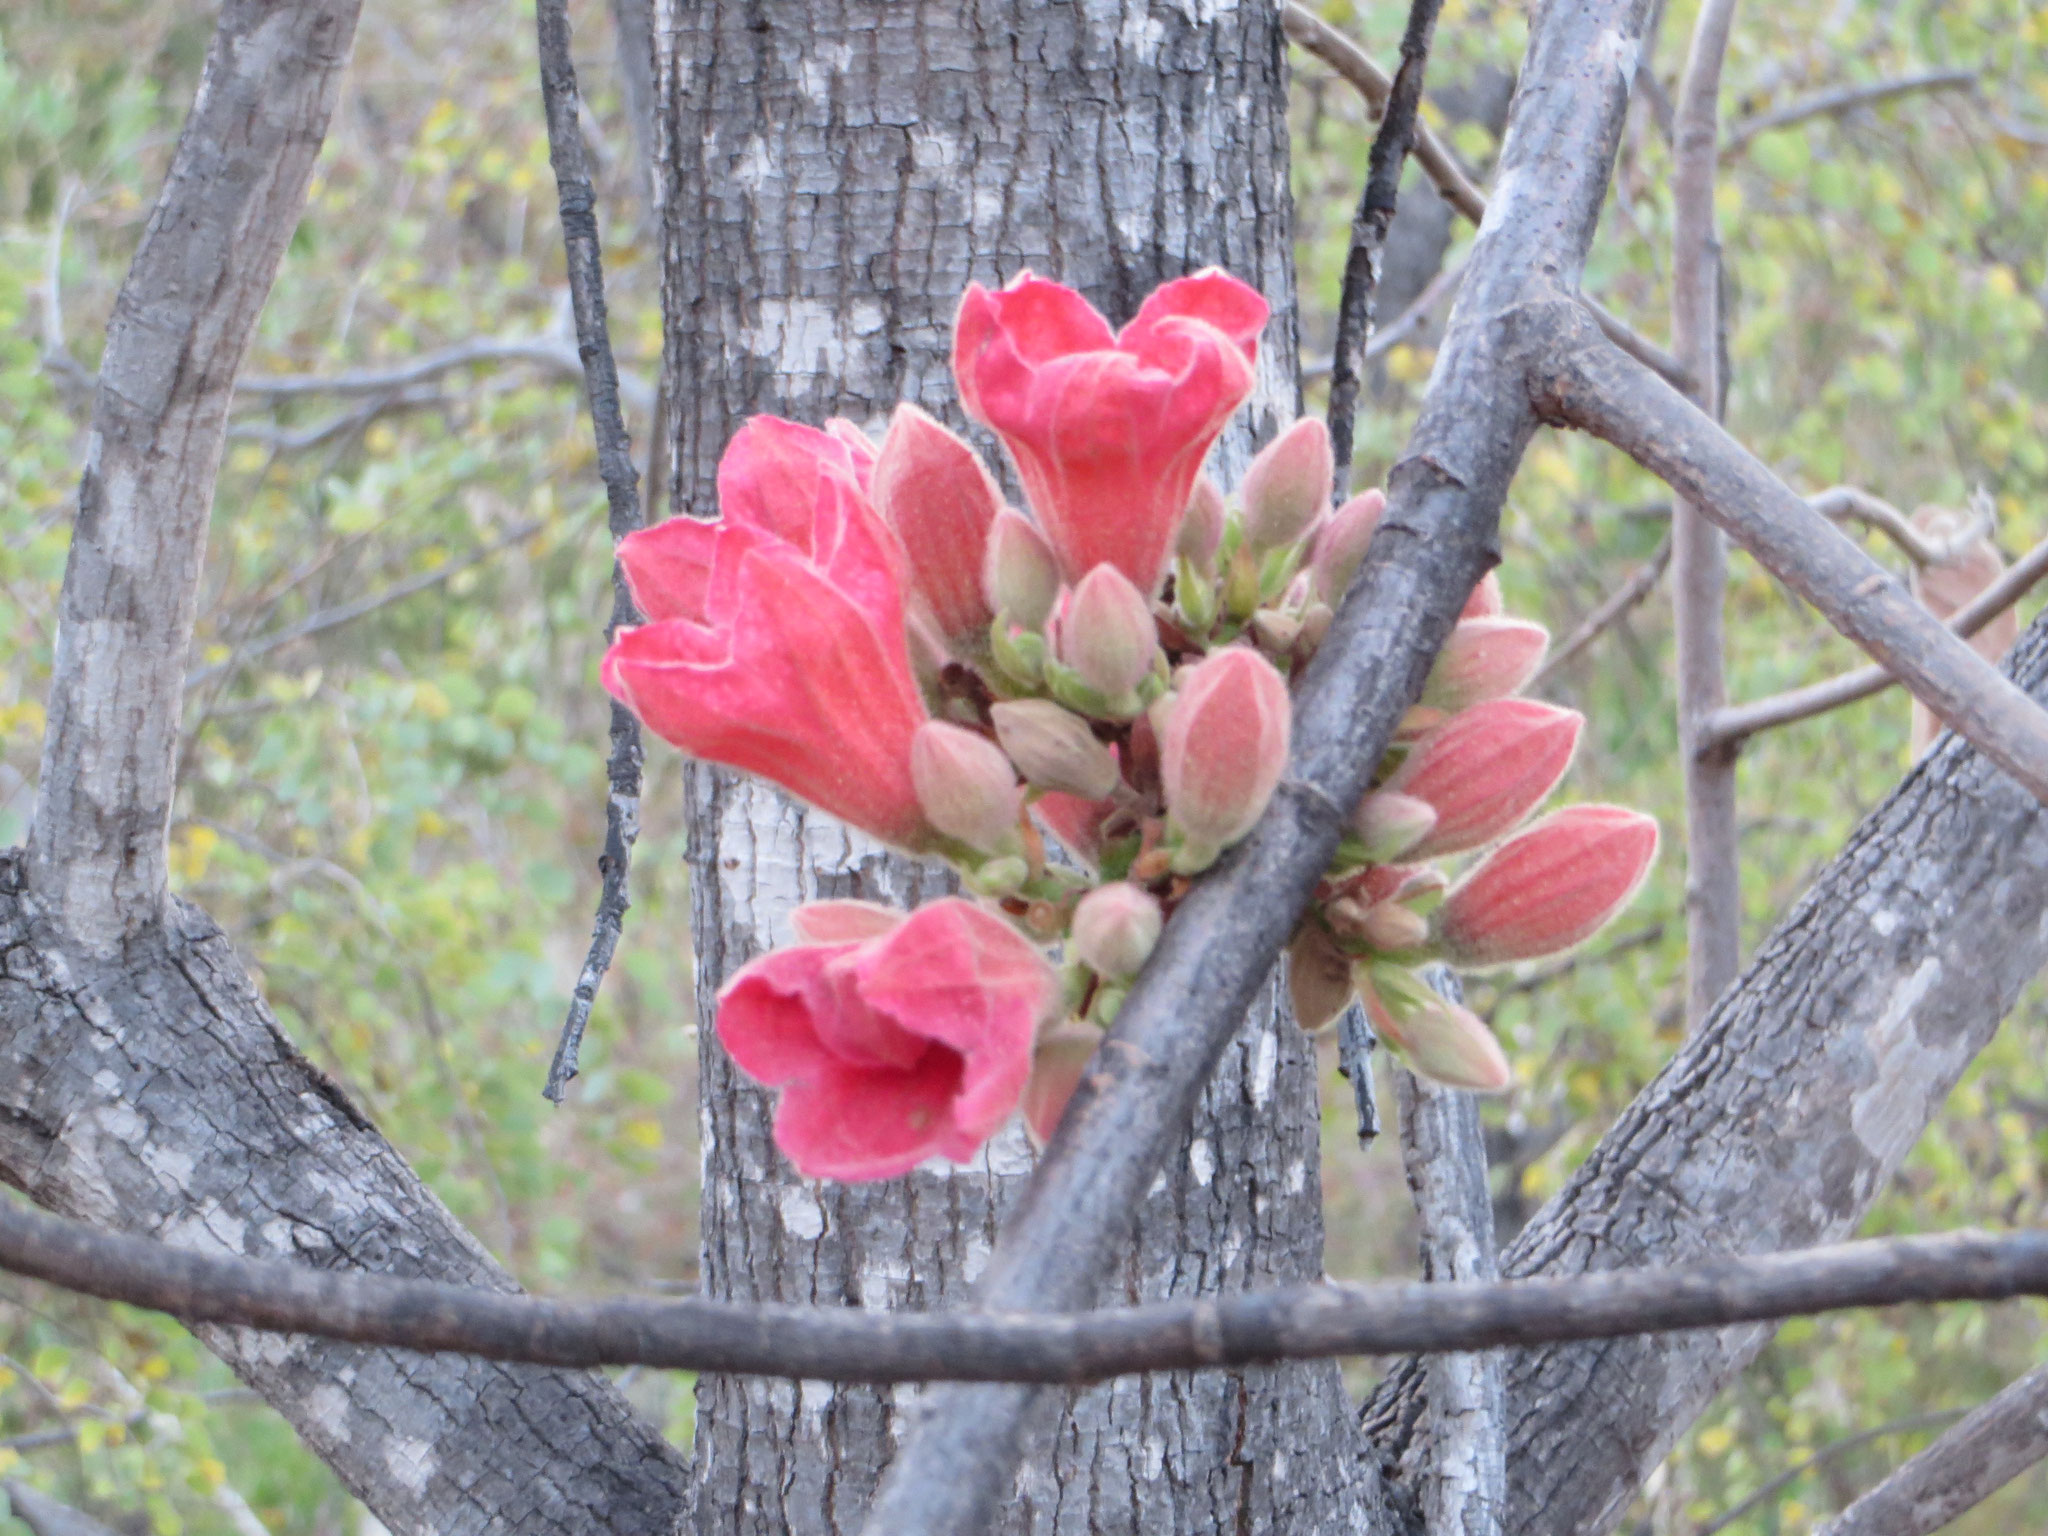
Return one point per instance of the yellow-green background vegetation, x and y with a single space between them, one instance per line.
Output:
397 818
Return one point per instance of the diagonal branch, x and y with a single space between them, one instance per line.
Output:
1610 611
1839 102
182 322
1995 1443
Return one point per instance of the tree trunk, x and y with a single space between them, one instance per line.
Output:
832 177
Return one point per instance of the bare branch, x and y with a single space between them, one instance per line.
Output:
1611 610
1599 389
45 1516
1397 330
853 1344
1318 37
1845 503
1839 102
1739 722
1994 1444
554 357
237 183
1699 555
622 492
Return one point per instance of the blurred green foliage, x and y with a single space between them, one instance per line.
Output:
396 817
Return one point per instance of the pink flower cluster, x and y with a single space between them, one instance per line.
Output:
875 630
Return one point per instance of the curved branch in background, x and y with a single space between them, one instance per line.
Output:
556 358
1351 62
97 853
1995 1443
1739 722
1841 503
1837 103
578 204
857 1344
1610 611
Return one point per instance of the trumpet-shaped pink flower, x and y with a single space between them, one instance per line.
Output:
1549 888
1108 429
934 491
776 642
911 1044
1486 768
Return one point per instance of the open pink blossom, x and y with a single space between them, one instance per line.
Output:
912 1044
935 492
1108 429
776 643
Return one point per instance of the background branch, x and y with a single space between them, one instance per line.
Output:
1610 611
1846 503
1837 103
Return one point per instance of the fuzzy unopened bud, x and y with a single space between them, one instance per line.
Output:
1115 927
1486 768
1318 977
1287 486
1201 527
1549 888
1021 578
1388 824
843 922
1054 748
933 489
1107 634
966 786
1057 1066
1438 1039
1221 751
1341 544
1392 927
1485 659
1485 601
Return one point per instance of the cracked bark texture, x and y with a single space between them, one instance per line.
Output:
832 177
156 1094
1779 1121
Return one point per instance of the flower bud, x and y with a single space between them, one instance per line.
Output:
1108 636
1201 526
1115 927
1194 594
843 922
1393 927
1021 579
1485 769
1287 486
1485 601
933 489
965 786
1549 888
1341 543
1438 1039
1054 748
859 446
1057 1066
1485 659
1222 751
1388 824
1318 977
1076 822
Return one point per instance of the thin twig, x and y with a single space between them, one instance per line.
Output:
342 424
1911 1424
1397 132
622 492
1739 722
1995 1443
550 355
1397 330
1836 103
1612 609
1841 503
854 1344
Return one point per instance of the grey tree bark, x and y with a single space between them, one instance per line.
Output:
832 177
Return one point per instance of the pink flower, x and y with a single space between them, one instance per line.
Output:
912 1044
1485 769
1549 888
934 491
1076 822
776 642
1485 658
1439 1039
1222 751
1108 429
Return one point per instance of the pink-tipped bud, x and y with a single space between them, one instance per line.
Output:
843 922
1341 543
1485 601
966 786
1076 822
1054 748
933 489
1021 579
1057 1066
1115 927
1485 659
1201 527
1393 928
1222 751
1486 768
1287 486
1318 977
1437 1038
1388 824
1108 635
1549 888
